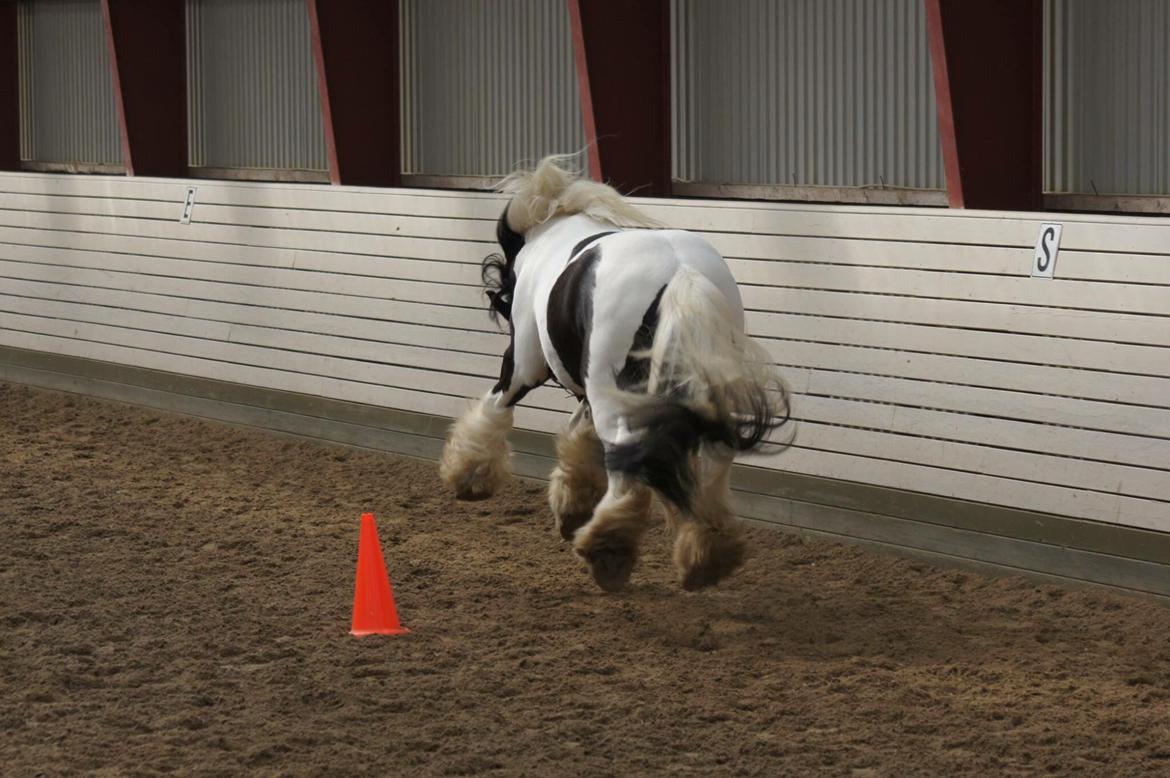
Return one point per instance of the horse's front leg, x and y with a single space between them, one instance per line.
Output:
475 460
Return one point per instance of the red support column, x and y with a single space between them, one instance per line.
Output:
9 89
623 67
987 59
355 45
147 40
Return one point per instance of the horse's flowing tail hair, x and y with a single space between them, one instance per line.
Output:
710 387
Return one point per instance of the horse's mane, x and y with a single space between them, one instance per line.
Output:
556 187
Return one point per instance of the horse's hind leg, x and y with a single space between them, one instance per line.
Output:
709 545
578 482
609 542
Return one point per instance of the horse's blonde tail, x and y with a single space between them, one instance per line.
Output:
710 386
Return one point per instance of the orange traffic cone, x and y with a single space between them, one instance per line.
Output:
373 602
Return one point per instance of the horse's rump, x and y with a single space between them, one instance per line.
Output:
708 386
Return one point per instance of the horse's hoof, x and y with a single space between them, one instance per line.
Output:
473 482
706 563
475 487
572 501
702 577
611 565
568 525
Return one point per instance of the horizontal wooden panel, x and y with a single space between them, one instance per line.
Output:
1006 346
1089 232
1039 379
1017 465
347 210
260 218
1057 410
1094 325
1149 514
950 546
1108 326
364 323
412 345
386 290
321 386
872 415
796 276
290 352
449 252
1084 295
373 245
426 356
1047 409
825 378
754 255
458 379
400 310
1098 233
1139 451
425 202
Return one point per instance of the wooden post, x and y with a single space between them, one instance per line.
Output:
147 41
355 46
9 89
987 59
622 51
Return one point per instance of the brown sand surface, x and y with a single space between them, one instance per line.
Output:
175 597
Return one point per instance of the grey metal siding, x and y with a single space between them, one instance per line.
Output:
804 92
67 106
1107 96
252 86
486 85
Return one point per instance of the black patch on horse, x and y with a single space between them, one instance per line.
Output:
586 241
672 431
510 240
636 372
570 314
661 456
498 270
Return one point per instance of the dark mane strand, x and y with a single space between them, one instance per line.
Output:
499 281
498 270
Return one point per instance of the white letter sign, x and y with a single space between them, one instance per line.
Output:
188 204
1044 263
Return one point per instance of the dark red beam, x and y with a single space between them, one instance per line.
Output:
9 89
147 41
988 71
355 45
623 67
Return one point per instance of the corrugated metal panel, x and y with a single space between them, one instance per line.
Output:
487 85
1107 96
804 92
253 86
68 112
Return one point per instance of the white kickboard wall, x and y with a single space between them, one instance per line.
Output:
922 354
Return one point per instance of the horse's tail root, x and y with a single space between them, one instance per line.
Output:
710 387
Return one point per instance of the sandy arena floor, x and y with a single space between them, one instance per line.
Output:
175 595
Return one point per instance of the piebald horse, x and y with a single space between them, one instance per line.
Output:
645 326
